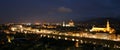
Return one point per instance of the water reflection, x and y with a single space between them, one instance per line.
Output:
43 43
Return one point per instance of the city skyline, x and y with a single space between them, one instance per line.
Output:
56 10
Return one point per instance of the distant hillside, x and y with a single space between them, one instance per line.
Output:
103 21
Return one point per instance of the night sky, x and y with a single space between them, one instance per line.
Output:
56 10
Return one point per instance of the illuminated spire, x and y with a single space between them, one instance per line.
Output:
108 25
63 23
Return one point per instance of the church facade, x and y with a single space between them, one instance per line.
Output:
104 29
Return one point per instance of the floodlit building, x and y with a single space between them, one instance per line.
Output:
104 29
70 24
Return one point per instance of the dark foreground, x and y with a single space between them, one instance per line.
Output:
33 42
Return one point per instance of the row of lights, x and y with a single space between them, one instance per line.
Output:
81 41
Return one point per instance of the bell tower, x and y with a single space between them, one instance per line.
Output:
108 26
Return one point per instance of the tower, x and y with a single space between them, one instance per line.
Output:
63 23
108 26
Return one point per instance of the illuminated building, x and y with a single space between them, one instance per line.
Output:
37 23
100 29
16 27
70 24
50 26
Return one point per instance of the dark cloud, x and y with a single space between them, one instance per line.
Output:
23 10
64 10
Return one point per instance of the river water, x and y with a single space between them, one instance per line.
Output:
20 42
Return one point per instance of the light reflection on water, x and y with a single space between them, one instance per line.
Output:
50 44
